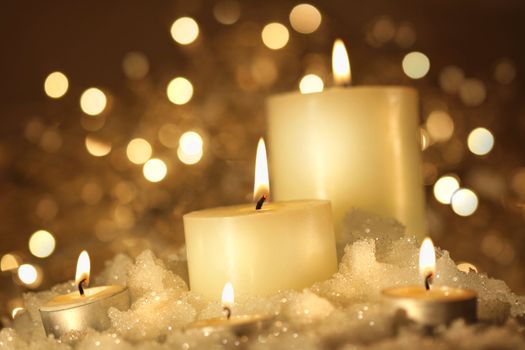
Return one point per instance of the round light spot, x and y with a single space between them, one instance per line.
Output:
383 29
56 85
180 91
190 148
185 30
9 262
275 36
42 244
464 202
139 151
416 65
47 209
189 158
28 274
155 170
169 135
93 101
444 188
91 193
311 83
518 182
227 11
264 71
405 36
505 72
97 147
51 141
480 141
305 18
440 126
472 92
135 65
451 78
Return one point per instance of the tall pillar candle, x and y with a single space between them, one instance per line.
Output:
357 146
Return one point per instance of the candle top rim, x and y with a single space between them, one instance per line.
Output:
74 299
358 88
435 294
240 210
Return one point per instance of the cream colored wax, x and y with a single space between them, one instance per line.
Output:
357 146
283 245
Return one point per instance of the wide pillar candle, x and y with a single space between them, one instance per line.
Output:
281 246
357 146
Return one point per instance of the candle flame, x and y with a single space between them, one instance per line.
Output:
340 64
228 296
427 258
83 268
261 186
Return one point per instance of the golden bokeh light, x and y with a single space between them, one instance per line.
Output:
51 140
47 208
155 170
180 91
227 11
405 35
184 30
464 202
416 65
440 126
91 193
383 30
189 158
275 35
505 72
138 151
264 71
305 18
169 135
93 101
311 83
42 244
472 92
190 149
56 85
9 262
480 141
28 274
445 187
97 147
451 78
135 65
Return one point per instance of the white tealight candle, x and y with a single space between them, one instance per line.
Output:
356 146
239 324
432 305
260 248
85 308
